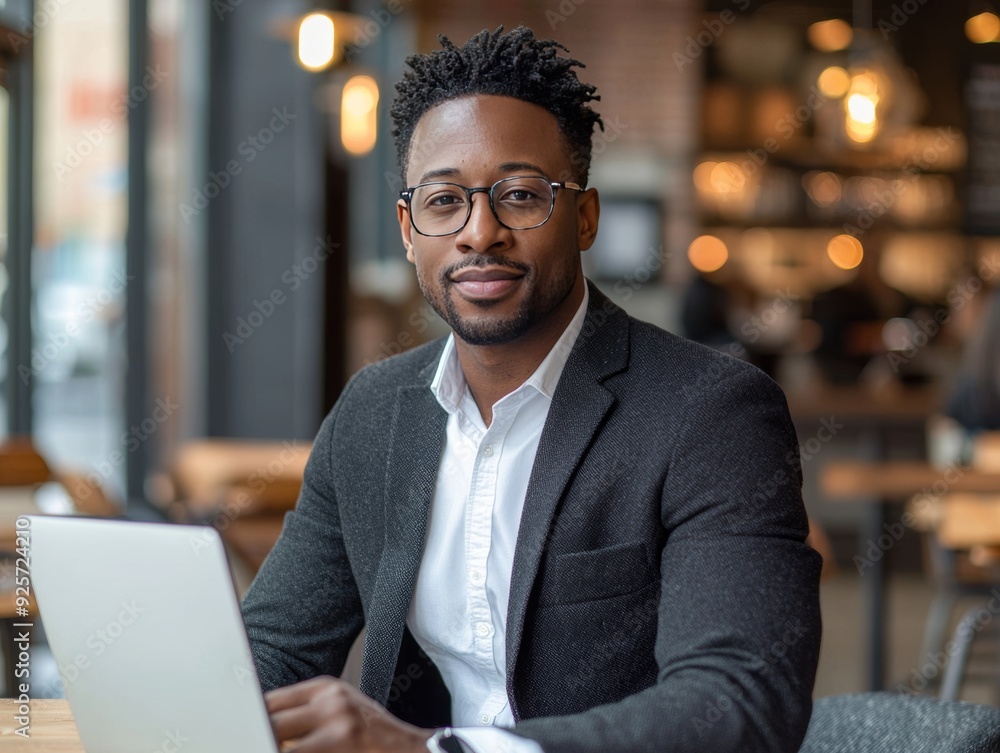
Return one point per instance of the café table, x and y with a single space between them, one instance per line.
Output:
52 729
882 485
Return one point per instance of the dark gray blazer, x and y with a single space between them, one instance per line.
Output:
662 596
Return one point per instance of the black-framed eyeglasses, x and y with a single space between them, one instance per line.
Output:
518 203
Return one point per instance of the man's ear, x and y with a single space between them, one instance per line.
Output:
588 207
405 228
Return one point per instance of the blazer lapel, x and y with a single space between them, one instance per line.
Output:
416 443
578 407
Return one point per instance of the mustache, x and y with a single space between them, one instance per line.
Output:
486 260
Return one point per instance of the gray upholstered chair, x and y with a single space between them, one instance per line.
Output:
896 723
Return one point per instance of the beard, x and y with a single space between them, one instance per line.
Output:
499 329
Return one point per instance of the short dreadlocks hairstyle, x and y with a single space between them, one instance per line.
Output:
515 64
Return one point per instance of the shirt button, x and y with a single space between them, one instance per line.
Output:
483 629
484 719
476 576
488 450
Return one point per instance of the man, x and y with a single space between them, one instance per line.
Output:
564 529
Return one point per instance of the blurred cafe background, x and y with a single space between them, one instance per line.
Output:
198 246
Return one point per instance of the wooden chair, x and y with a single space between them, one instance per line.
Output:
242 488
964 549
21 464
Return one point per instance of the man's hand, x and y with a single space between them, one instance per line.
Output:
326 715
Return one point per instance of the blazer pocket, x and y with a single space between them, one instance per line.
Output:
597 574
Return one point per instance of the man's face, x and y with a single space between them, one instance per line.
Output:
494 285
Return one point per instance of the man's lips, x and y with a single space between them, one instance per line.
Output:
488 274
485 283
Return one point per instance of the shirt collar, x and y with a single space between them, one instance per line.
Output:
449 383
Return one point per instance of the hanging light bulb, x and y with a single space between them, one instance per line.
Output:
358 115
316 41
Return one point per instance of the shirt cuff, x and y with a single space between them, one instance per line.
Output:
494 740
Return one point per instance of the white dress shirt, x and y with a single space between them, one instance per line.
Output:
459 608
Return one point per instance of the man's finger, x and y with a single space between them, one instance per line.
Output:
298 722
298 694
329 739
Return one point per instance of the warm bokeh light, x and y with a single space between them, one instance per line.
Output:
358 115
707 253
703 176
845 251
316 41
726 177
861 132
824 188
865 82
831 36
922 265
983 28
861 106
834 82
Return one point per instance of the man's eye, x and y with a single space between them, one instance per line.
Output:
519 195
444 200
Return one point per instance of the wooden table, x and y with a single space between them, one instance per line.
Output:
864 407
899 480
52 728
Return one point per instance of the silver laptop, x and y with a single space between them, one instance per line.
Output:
144 623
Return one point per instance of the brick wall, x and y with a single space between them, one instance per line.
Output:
627 47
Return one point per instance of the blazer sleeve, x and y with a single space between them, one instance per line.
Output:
303 611
738 622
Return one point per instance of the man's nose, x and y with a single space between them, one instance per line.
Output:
483 232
